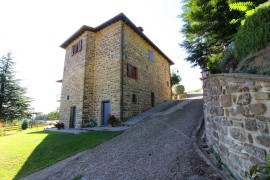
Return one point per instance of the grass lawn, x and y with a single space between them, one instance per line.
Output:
31 150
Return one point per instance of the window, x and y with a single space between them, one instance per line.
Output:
76 48
134 98
168 83
150 55
132 71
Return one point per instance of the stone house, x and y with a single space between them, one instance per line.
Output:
111 69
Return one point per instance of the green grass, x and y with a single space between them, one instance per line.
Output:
31 150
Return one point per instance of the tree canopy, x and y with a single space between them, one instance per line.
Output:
175 79
13 102
210 27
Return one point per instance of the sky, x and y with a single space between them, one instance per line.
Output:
33 31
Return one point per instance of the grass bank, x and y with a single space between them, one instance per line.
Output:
31 150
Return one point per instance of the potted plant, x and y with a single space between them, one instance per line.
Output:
111 120
59 125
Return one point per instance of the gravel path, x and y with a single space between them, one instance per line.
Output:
160 147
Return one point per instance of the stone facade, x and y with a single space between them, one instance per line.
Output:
98 73
237 117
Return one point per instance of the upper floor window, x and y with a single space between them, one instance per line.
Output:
132 71
76 48
150 55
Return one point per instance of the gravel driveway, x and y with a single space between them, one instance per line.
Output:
160 147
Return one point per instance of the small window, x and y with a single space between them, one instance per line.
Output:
76 48
67 97
134 98
168 84
150 55
79 45
132 71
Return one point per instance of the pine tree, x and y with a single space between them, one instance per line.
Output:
13 102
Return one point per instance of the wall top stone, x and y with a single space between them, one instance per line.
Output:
242 76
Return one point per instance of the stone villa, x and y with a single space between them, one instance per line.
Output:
111 69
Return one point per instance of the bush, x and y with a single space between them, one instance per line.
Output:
24 125
92 123
254 35
111 119
178 89
59 125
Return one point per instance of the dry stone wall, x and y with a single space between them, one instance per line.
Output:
237 117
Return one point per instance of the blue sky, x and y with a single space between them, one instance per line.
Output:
33 30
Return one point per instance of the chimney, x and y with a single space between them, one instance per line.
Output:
140 28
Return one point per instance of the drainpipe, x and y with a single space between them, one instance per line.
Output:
122 72
170 80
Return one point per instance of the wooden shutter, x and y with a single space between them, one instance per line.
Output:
80 45
72 50
134 73
150 55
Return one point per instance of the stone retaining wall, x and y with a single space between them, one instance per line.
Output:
237 119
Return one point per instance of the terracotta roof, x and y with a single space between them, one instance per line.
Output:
122 17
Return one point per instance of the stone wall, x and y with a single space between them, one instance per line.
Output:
153 75
107 70
237 117
93 75
73 82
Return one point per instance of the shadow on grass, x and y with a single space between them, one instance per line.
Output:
57 146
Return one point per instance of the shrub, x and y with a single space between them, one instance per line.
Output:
178 89
254 35
260 171
59 125
111 119
24 125
92 123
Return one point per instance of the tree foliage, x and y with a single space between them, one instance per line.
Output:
209 30
54 115
178 89
175 79
13 102
254 34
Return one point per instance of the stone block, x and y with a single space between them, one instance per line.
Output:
234 146
215 134
262 126
224 150
238 134
245 89
262 96
255 151
244 111
244 99
225 122
220 111
250 124
233 89
250 139
238 124
249 83
262 118
263 140
226 100
234 111
257 109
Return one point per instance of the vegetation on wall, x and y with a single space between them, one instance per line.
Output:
254 34
210 28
